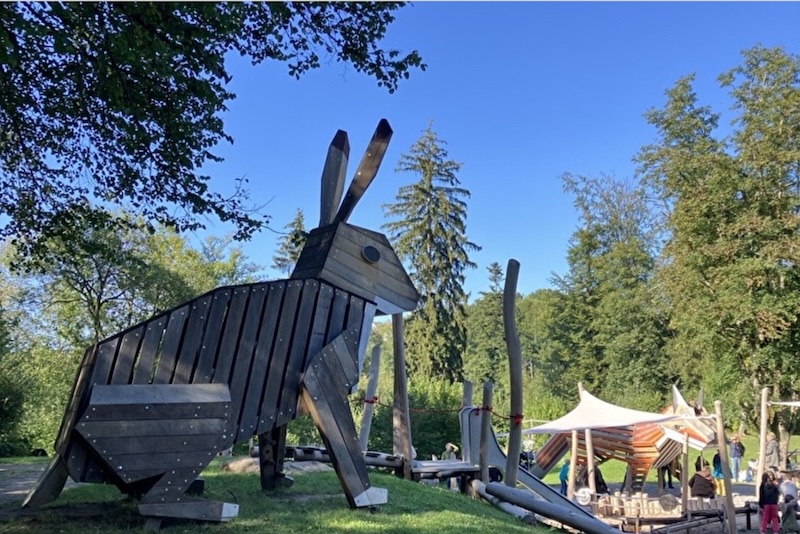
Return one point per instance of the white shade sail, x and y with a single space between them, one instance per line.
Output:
592 413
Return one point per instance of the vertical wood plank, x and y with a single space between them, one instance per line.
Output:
280 353
322 314
123 369
192 339
230 337
258 376
211 337
337 316
290 392
154 331
167 356
243 362
106 354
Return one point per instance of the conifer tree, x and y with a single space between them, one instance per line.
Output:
291 245
429 232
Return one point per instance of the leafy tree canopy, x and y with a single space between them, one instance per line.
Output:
119 103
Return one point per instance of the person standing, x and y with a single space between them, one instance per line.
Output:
737 453
768 497
563 476
772 457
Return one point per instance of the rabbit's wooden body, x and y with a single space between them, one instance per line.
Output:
153 405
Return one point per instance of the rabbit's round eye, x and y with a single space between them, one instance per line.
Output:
371 254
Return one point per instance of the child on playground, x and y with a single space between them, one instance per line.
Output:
768 497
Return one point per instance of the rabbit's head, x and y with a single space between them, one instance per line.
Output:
355 259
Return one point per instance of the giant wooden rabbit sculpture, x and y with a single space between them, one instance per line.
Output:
154 404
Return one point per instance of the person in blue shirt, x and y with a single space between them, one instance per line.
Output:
563 476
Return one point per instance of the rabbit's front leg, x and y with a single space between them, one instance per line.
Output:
324 390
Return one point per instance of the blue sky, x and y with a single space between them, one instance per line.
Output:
521 93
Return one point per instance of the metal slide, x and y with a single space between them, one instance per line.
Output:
471 444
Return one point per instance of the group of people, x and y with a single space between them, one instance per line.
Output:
769 502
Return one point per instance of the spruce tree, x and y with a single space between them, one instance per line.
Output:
291 245
429 233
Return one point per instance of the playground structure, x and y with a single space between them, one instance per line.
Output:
152 406
642 446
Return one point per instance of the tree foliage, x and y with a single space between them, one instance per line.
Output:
731 261
486 355
121 103
429 231
612 330
291 244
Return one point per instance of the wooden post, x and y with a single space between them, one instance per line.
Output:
401 417
466 399
369 402
762 441
685 474
590 460
486 426
515 371
726 468
573 466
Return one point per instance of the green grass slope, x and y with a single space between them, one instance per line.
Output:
314 504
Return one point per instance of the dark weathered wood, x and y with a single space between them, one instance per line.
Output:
159 393
158 427
287 409
230 336
266 341
154 331
50 483
280 354
191 509
515 372
322 315
78 392
187 358
336 323
257 342
209 348
191 442
104 363
333 177
123 370
168 355
325 406
366 170
271 447
243 361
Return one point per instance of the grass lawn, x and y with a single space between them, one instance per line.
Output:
314 504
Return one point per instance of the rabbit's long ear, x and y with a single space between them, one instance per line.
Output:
333 177
367 169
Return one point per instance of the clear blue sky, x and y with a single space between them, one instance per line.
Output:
521 92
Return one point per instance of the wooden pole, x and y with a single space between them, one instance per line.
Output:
573 466
486 427
762 441
726 469
369 402
590 460
685 474
466 400
515 372
401 417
